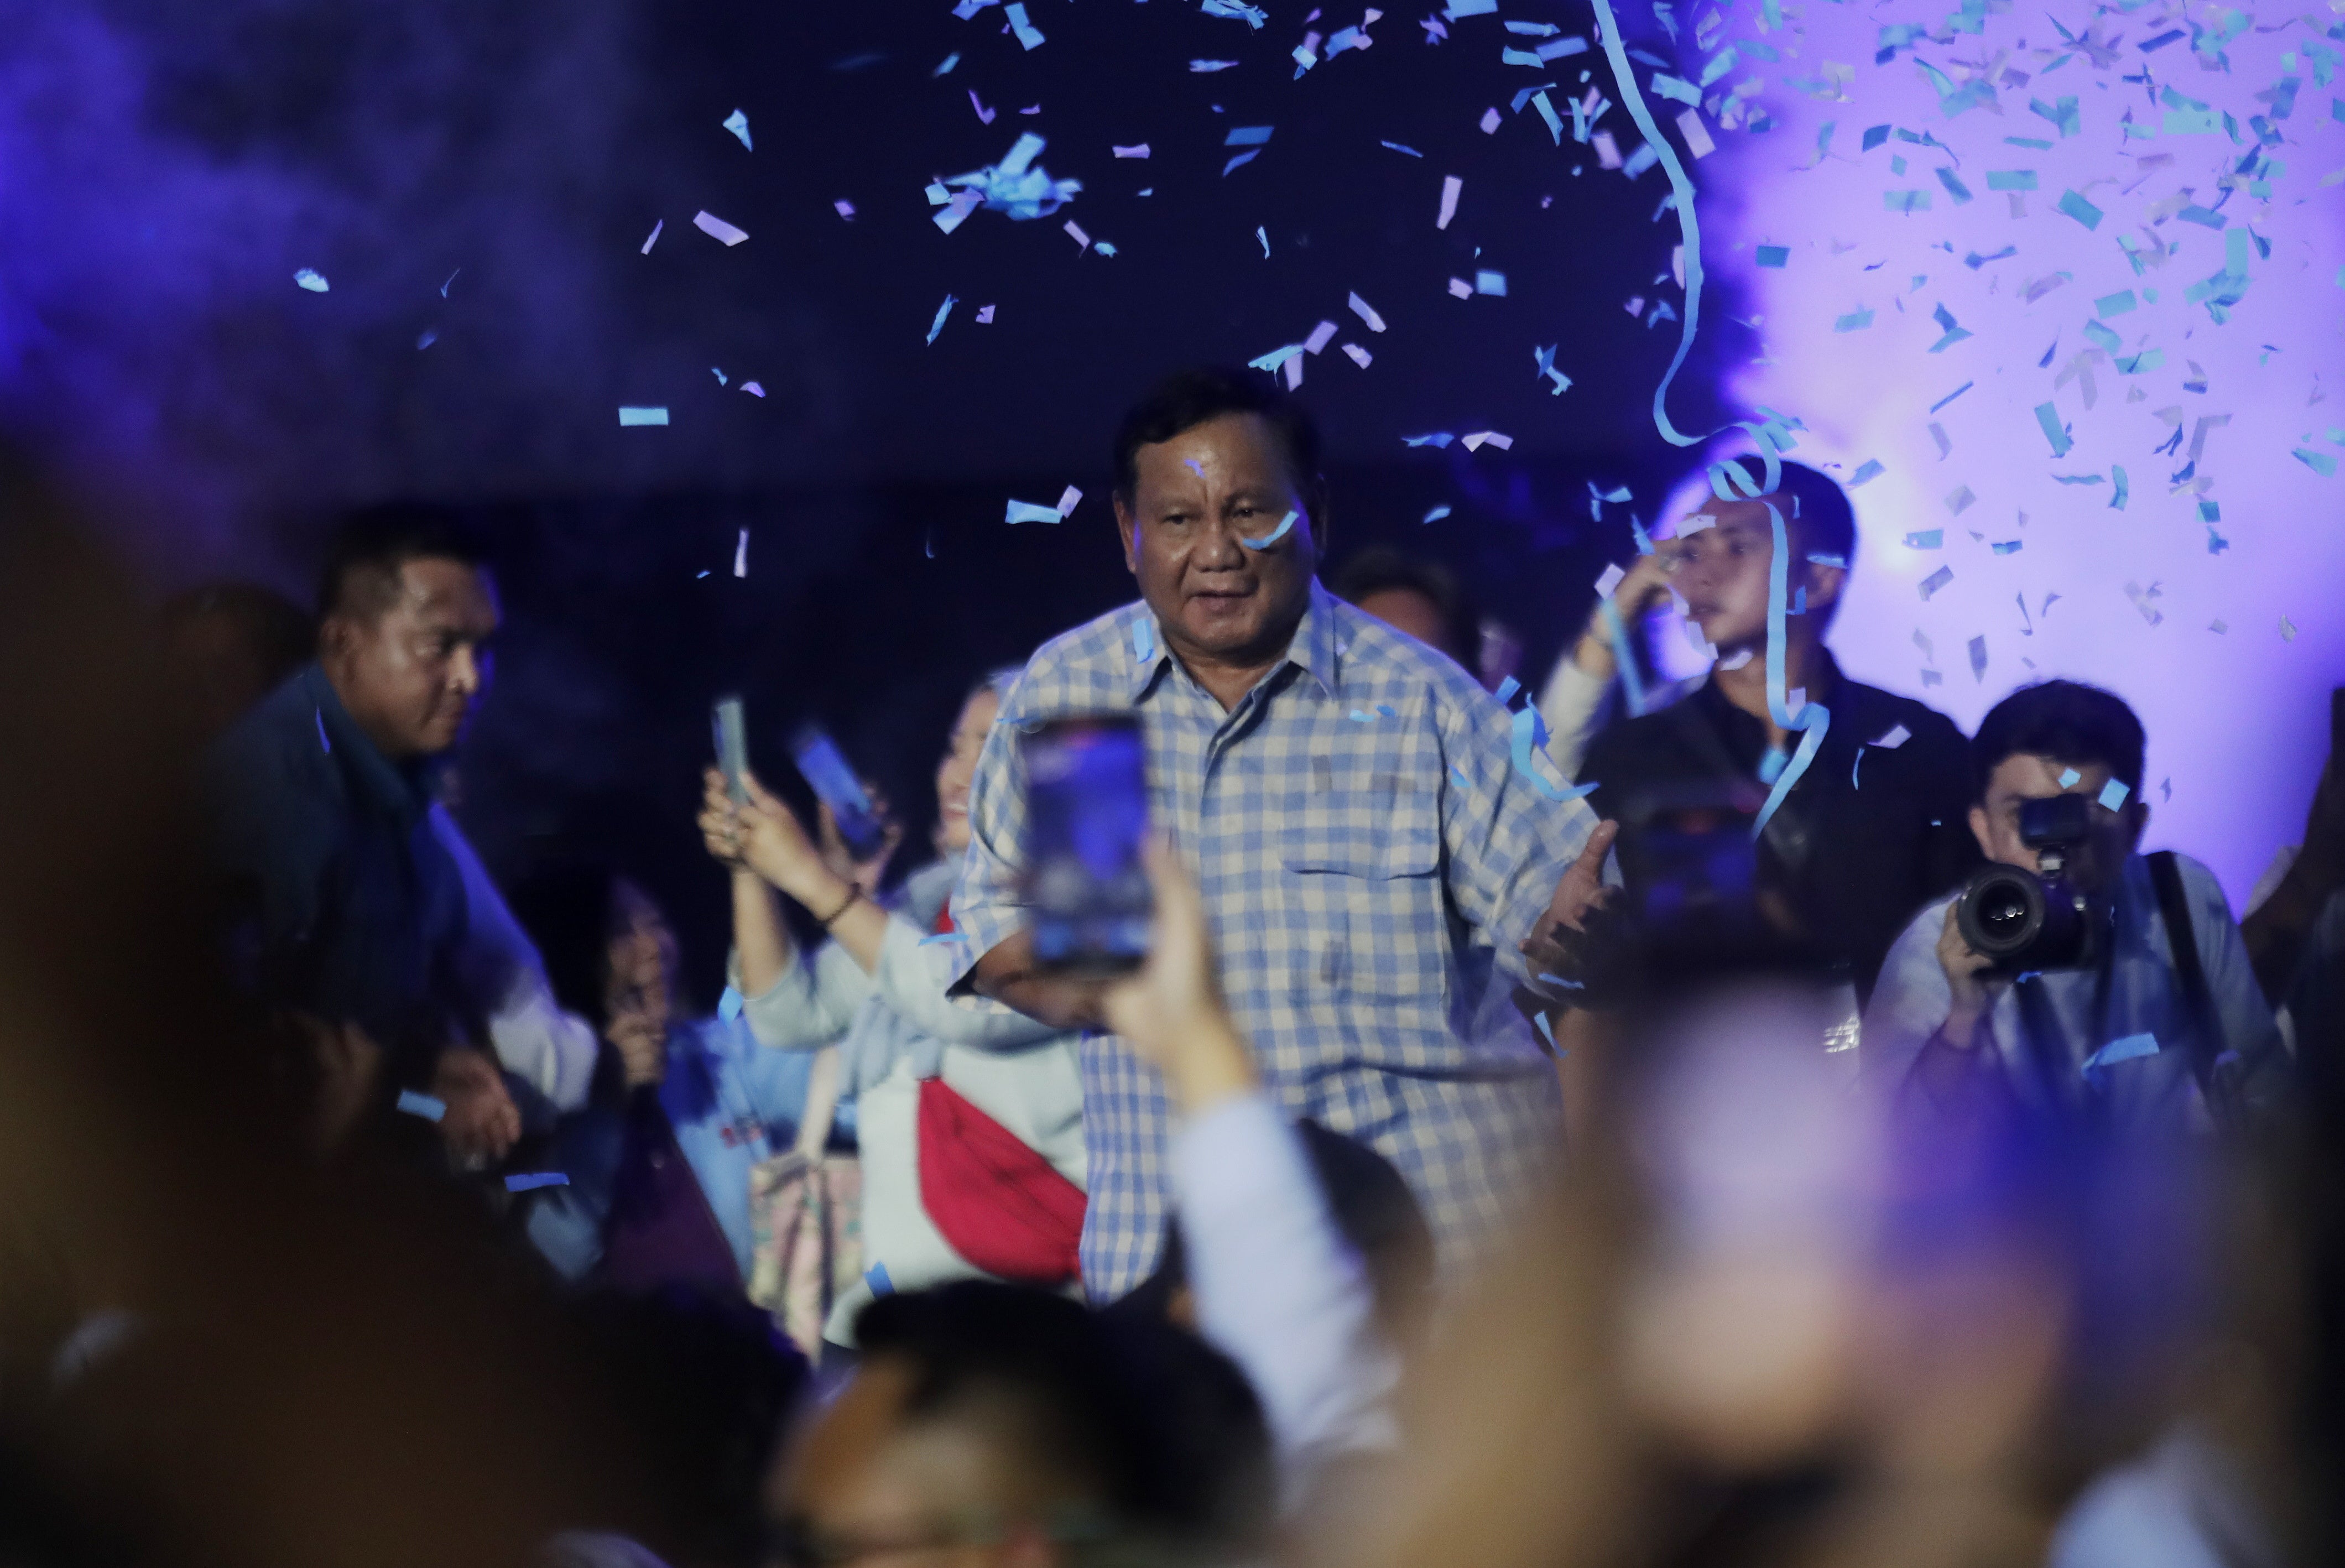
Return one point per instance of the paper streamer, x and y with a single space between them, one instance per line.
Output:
1632 684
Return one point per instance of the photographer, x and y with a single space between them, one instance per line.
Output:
2094 998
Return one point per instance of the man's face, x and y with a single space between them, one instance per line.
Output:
410 674
1720 570
1199 494
2026 776
864 1483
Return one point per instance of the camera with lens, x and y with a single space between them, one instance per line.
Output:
2025 921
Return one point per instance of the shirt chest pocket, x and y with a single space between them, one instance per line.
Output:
1362 854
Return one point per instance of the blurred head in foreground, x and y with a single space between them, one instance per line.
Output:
1773 1320
993 1423
226 646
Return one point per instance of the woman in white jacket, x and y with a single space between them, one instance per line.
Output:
970 1120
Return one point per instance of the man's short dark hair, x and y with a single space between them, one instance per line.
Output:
2065 721
1823 522
1165 1429
1187 399
1382 569
363 564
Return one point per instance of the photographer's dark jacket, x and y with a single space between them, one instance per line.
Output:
1869 834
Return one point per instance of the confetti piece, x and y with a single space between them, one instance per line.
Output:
845 209
1075 232
1855 321
1898 736
728 1005
1612 578
1529 738
1438 513
716 227
1437 438
753 389
1029 35
741 555
2011 179
1319 336
950 62
314 281
539 1179
653 240
1960 500
2048 416
1027 511
1264 235
1775 255
1936 580
2287 630
2077 207
2126 1050
2114 793
1359 356
1869 469
1254 16
1928 539
942 311
1068 499
738 124
1490 121
1242 158
1491 283
1951 397
875 1280
1143 640
1461 288
1978 658
1450 188
1696 134
2117 500
416 1103
1487 437
642 416
1211 65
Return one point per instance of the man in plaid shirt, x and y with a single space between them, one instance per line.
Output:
1369 851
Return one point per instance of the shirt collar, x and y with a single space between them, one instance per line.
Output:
1316 648
404 791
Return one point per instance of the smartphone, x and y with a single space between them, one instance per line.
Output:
837 786
1085 888
732 746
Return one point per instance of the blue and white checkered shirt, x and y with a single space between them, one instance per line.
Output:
1369 859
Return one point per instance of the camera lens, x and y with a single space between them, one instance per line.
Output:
2002 911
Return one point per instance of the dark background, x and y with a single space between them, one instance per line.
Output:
172 166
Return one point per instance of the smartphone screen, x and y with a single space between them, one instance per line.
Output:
1087 817
732 746
837 786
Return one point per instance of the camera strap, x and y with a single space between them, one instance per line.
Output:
2207 1047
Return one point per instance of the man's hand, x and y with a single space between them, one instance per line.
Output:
1970 978
1644 590
1172 1010
482 1122
1008 975
1582 887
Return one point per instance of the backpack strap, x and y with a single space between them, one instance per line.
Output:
2208 1060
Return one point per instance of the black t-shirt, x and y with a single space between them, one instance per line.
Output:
1867 836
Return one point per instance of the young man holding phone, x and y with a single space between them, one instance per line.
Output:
1367 851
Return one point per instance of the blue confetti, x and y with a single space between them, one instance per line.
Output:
2114 794
1274 535
875 1277
942 311
428 1106
2131 1048
535 1180
728 1006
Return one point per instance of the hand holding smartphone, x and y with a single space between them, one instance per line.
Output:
837 786
732 746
